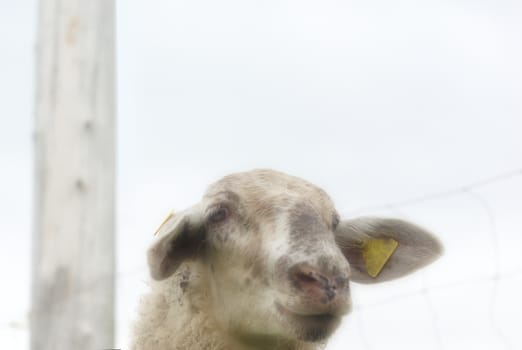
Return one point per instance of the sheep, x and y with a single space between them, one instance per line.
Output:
263 261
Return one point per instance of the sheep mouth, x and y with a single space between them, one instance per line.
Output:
310 327
314 317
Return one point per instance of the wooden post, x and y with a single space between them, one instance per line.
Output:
73 241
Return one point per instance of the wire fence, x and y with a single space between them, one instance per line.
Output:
496 277
426 291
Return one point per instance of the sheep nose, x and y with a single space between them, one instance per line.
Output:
318 283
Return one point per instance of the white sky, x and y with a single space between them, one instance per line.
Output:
374 101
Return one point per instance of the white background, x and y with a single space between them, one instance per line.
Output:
374 101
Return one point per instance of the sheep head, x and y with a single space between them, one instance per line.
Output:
279 259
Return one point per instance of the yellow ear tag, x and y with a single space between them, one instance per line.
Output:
171 214
376 253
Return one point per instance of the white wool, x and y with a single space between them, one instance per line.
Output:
177 315
254 263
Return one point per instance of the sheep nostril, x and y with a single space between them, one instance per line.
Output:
316 283
341 282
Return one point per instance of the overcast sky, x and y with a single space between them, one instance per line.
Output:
376 102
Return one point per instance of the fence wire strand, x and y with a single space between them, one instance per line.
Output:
469 190
439 195
495 247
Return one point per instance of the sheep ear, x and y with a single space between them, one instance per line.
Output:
180 237
384 249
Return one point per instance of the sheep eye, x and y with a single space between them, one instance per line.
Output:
218 215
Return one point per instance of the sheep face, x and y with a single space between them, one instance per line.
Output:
277 258
272 256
